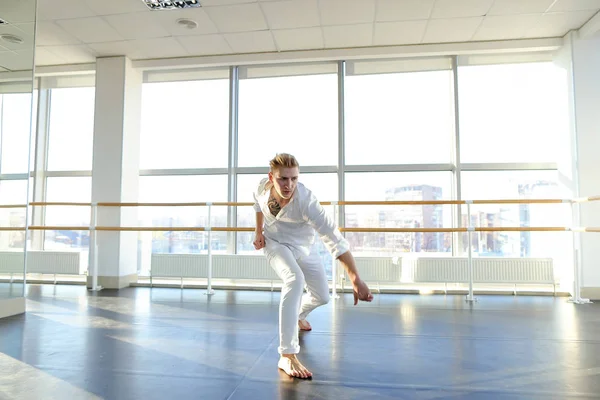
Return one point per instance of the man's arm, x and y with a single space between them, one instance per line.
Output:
259 239
360 288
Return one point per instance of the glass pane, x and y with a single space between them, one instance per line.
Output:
324 186
512 113
398 186
182 189
70 189
185 125
404 118
296 115
515 185
15 120
71 129
12 192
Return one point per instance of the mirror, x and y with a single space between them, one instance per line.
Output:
17 110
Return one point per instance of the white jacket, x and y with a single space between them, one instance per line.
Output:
296 223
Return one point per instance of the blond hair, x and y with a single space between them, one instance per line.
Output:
283 160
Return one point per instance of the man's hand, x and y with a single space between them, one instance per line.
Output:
259 240
361 291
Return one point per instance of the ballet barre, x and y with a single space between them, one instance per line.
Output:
94 228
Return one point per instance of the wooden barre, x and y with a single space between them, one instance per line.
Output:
202 204
13 205
58 203
58 228
399 202
11 229
397 230
521 201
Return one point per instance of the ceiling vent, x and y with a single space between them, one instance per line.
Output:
13 39
171 4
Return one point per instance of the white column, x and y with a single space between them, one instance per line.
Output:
115 171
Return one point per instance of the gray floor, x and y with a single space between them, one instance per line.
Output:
168 344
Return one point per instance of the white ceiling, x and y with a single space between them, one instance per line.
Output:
78 31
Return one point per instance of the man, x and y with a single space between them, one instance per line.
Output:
287 216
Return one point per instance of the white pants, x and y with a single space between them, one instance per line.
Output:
295 273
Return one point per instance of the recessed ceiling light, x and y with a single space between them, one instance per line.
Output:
14 39
187 23
171 4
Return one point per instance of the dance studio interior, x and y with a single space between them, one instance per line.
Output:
440 178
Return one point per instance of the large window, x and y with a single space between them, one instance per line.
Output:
183 189
511 113
12 192
399 186
290 114
71 129
68 189
487 185
399 118
185 124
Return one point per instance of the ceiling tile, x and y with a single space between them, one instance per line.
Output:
398 33
299 39
237 18
18 60
14 11
511 7
205 45
347 12
63 9
120 48
109 7
394 10
50 34
73 53
45 57
90 30
27 37
451 30
168 20
251 42
503 27
142 25
575 5
558 24
348 35
292 14
461 8
158 48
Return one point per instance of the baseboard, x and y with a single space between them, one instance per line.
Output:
12 306
114 282
592 293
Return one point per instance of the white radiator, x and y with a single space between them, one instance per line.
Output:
225 266
41 262
11 262
376 269
372 269
485 270
53 262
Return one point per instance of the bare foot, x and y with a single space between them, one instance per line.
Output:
304 325
290 364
